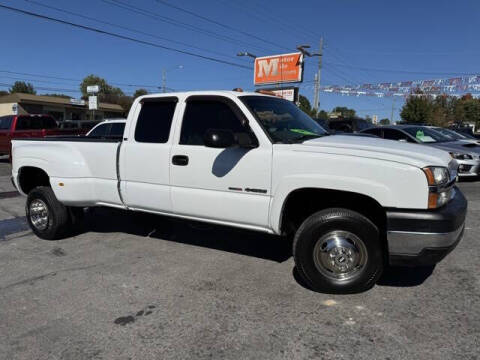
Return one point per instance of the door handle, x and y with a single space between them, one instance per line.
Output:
180 160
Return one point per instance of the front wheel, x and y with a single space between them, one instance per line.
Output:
47 217
338 251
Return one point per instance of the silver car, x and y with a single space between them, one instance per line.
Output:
467 154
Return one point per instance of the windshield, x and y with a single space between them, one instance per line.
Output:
426 135
282 120
450 134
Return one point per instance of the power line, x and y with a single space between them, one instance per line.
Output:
225 26
70 79
127 28
45 88
293 29
123 37
155 16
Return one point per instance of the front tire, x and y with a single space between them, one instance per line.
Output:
338 251
47 217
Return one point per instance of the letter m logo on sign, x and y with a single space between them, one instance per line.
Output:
278 69
267 67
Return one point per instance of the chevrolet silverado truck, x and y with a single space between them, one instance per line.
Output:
352 205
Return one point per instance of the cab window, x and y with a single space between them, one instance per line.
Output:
100 131
154 121
202 115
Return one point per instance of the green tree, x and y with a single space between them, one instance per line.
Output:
107 93
322 115
344 111
58 95
139 92
305 106
384 121
22 87
105 88
418 109
444 110
467 110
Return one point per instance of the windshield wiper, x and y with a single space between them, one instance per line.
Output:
307 137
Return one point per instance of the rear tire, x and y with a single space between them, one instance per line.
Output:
47 217
338 251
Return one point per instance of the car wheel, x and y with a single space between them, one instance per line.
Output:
338 251
47 217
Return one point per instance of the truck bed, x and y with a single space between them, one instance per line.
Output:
72 138
83 171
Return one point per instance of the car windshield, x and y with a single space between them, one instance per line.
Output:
426 135
450 134
282 120
464 135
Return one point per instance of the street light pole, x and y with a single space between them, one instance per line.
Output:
246 53
164 76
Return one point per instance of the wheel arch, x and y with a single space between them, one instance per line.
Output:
29 177
302 202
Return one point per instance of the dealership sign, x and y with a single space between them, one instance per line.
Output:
278 69
92 103
93 89
290 94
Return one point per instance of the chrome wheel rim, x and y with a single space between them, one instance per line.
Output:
38 214
340 255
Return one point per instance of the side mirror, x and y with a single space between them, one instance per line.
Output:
218 138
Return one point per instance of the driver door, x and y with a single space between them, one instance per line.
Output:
226 185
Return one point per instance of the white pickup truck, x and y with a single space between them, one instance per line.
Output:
353 204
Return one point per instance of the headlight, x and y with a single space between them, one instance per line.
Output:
436 175
461 156
437 178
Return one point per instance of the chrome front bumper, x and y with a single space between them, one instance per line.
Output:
413 243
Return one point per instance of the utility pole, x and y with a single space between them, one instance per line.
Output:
316 99
393 108
164 81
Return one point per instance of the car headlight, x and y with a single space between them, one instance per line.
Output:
436 175
437 178
461 156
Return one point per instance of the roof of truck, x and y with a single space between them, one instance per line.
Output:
205 92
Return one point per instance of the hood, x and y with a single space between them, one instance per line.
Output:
376 148
459 146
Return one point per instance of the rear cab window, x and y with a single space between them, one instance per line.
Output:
155 120
32 122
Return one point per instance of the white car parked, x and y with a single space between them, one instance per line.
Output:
108 128
353 204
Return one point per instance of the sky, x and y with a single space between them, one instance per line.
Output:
397 41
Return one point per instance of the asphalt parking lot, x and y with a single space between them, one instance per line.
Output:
136 286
